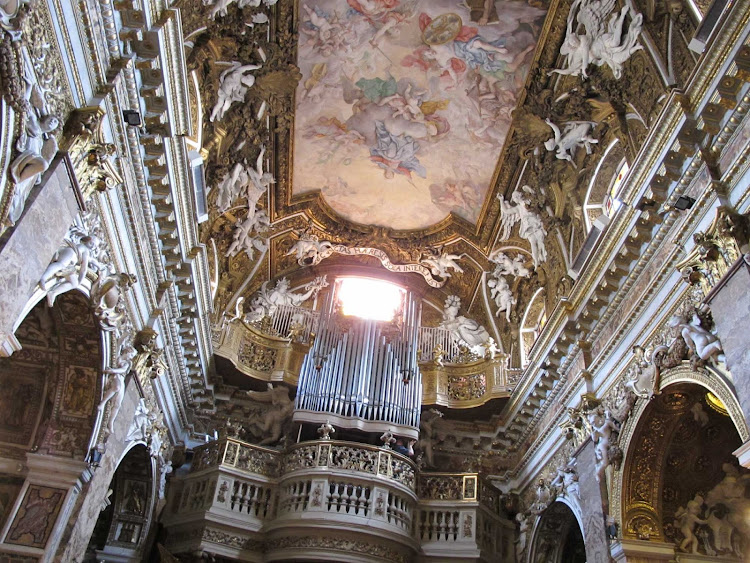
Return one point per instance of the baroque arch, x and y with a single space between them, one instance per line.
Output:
558 536
124 524
677 463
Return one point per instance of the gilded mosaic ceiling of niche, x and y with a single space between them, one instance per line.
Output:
51 384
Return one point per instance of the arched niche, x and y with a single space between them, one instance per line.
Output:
676 446
122 528
605 182
52 385
558 536
532 322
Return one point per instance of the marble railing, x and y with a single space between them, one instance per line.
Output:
376 494
459 516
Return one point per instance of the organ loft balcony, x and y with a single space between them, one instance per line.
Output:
331 500
331 440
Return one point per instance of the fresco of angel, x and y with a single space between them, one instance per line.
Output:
384 15
396 154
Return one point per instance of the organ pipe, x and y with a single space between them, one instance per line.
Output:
362 370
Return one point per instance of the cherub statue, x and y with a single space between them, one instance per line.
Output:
69 266
686 519
566 480
273 420
234 83
531 227
503 296
269 300
504 266
576 134
440 263
387 438
700 341
310 250
242 239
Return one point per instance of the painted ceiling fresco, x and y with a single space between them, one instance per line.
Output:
404 105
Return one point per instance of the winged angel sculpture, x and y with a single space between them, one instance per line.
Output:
602 41
531 227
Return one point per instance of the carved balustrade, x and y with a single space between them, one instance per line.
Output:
459 517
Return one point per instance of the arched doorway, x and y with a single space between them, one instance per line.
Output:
558 537
680 482
122 528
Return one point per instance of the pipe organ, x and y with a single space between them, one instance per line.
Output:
362 373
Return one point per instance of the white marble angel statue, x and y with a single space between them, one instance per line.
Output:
503 296
531 227
243 239
603 425
601 40
254 180
219 7
234 83
269 300
464 331
36 146
440 263
575 134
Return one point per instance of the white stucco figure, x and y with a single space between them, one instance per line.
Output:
505 266
700 341
566 479
268 300
686 519
309 250
234 83
440 263
219 7
243 239
107 294
523 532
271 424
114 389
594 35
503 296
428 435
602 428
141 422
463 331
531 227
164 470
254 180
36 146
69 266
574 134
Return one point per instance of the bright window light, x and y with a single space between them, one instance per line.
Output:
369 298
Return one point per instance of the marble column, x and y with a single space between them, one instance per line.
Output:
27 248
592 506
730 305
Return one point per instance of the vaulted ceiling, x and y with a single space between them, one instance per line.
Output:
397 125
